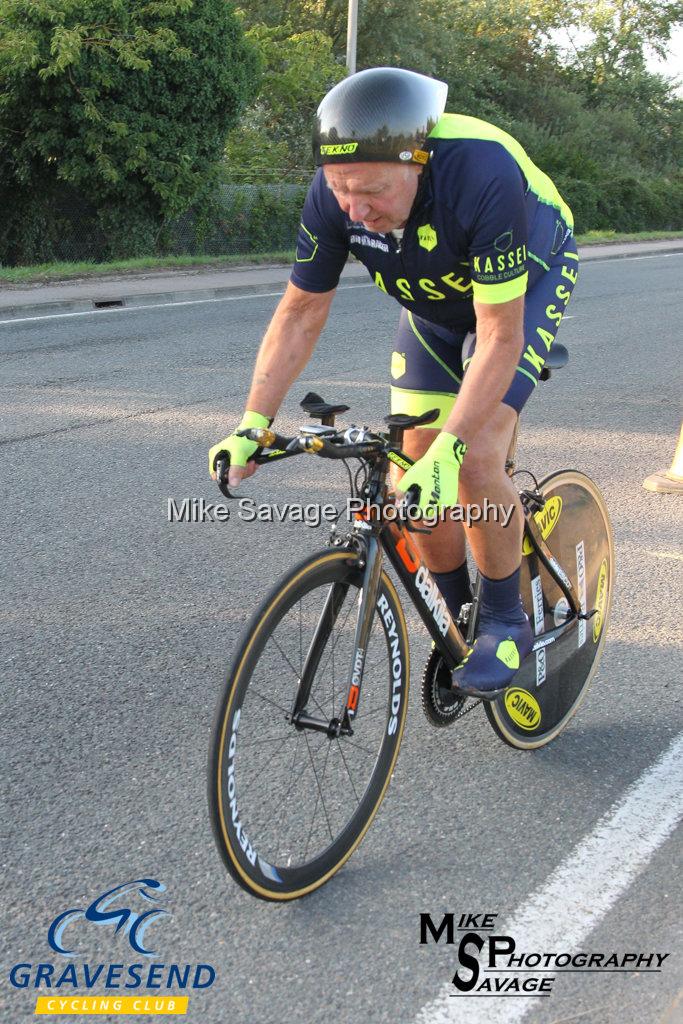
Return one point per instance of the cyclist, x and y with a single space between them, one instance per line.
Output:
452 219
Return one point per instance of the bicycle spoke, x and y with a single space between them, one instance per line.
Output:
257 693
252 787
366 714
258 743
283 802
301 643
353 743
303 794
348 772
351 604
297 675
320 793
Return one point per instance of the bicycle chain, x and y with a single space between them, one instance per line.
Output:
466 711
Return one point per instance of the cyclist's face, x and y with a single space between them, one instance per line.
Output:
378 195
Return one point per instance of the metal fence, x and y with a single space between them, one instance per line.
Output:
244 220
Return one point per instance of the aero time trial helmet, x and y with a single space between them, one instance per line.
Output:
379 114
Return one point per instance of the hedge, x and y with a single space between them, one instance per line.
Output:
250 219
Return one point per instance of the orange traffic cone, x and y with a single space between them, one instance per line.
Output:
669 481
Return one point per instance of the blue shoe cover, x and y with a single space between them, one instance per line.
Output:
498 651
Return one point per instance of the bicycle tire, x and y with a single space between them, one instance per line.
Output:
253 844
551 684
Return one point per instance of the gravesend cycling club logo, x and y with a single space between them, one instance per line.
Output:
490 963
103 912
130 916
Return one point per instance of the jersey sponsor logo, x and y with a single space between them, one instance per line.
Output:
426 236
523 709
503 242
600 601
546 520
372 243
342 149
427 286
503 267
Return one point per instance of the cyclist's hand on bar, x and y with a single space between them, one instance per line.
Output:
435 475
238 450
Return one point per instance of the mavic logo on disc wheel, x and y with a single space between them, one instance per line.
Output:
523 709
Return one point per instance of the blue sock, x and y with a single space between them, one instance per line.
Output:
455 588
504 638
500 599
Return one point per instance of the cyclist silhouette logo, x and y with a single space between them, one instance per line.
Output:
102 911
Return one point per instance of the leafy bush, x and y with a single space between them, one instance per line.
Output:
128 104
625 204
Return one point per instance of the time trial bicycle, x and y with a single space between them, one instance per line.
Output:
309 724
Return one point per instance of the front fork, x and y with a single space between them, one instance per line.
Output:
366 610
371 563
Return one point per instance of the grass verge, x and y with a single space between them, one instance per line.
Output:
595 237
46 273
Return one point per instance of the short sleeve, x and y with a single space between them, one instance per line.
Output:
322 245
498 230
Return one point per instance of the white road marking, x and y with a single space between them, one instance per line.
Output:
583 888
264 295
653 256
163 305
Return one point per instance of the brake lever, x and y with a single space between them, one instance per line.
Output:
222 466
409 499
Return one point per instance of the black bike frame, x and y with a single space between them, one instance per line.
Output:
394 539
368 540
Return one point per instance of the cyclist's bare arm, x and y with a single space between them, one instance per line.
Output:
285 350
287 346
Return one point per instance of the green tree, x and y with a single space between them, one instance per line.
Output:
613 34
122 106
273 139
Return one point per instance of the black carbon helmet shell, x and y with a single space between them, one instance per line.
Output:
381 114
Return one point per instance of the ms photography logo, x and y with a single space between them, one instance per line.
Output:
489 964
127 910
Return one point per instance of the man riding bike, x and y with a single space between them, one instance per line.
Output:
453 220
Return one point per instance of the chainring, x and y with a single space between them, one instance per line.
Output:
439 703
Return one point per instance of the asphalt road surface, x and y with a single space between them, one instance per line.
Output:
118 627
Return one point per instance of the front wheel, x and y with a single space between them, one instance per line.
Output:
290 804
553 681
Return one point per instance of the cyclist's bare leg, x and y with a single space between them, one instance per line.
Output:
496 548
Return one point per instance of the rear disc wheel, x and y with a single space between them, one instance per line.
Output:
553 681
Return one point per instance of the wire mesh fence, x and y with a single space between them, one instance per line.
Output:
245 219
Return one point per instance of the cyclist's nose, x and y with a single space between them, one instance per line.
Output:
359 209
